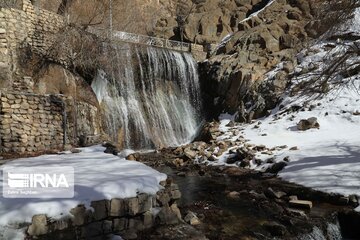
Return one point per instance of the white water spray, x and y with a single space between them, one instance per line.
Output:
150 97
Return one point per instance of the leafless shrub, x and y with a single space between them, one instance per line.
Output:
332 72
9 3
330 14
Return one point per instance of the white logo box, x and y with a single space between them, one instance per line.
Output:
37 182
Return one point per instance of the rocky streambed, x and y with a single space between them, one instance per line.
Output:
237 203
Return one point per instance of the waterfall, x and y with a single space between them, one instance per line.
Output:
150 96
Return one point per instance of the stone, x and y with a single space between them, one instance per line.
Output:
233 195
38 225
148 219
301 204
101 209
131 157
297 212
343 200
117 207
92 230
110 148
192 219
75 150
276 167
175 194
145 202
190 153
80 215
119 224
174 207
275 229
353 200
244 163
293 197
167 216
306 124
274 194
178 162
163 197
132 206
107 226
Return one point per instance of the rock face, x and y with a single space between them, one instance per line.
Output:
233 78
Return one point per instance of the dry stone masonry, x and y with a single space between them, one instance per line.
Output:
24 25
115 216
30 123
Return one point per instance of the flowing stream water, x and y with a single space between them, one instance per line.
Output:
150 96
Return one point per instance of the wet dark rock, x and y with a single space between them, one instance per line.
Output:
275 229
274 194
231 124
294 148
353 200
349 223
276 167
110 148
244 163
177 232
232 160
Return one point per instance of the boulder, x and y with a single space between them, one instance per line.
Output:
275 229
38 225
276 167
192 219
110 148
301 204
306 124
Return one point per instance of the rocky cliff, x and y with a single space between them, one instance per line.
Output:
233 76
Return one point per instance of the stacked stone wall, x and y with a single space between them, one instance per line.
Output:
25 26
30 123
35 123
115 216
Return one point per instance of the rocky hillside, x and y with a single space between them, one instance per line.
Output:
233 77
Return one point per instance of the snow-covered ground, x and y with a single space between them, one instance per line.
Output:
97 176
327 158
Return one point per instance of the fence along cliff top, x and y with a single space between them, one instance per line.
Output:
144 40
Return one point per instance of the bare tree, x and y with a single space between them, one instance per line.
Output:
184 8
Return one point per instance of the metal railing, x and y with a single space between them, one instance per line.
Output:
144 40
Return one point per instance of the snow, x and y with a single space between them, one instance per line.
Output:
97 176
328 158
257 13
352 25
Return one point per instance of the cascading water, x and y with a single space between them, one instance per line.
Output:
150 96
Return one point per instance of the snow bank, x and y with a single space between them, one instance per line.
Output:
328 158
97 176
